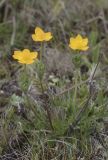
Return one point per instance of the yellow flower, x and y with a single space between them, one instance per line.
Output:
79 43
40 35
25 56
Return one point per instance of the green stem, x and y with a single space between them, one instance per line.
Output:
46 107
42 89
42 51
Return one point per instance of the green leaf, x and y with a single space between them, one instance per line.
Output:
95 53
93 38
14 100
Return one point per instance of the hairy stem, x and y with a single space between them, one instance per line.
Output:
46 106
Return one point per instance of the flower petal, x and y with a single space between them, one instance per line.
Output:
85 41
39 34
73 44
48 36
25 56
26 62
17 54
38 37
85 48
79 37
34 37
26 51
38 30
34 54
79 43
